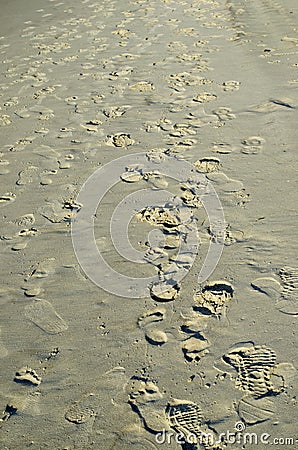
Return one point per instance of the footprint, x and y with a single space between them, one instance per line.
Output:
186 418
225 183
82 414
64 163
9 197
155 336
152 316
204 97
155 179
193 324
23 405
232 236
54 212
224 113
187 79
27 176
207 165
231 85
156 155
178 146
42 314
212 299
289 302
26 375
81 411
146 397
48 157
3 350
162 124
203 119
224 148
242 197
254 366
13 101
4 166
22 113
115 111
26 220
284 293
165 291
191 196
167 216
142 86
253 410
120 140
132 174
43 269
273 105
45 176
252 145
43 131
284 102
18 246
181 130
195 347
28 232
268 286
91 126
5 120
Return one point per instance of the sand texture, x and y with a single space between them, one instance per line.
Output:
166 85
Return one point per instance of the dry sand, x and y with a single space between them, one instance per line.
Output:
83 368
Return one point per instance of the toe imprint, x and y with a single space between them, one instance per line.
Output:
152 316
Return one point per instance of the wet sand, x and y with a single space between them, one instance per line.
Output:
83 84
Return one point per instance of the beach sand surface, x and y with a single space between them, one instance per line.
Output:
83 83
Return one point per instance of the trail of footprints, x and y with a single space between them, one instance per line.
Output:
40 311
256 372
257 375
253 368
43 315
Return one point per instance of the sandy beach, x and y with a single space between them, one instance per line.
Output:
149 276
